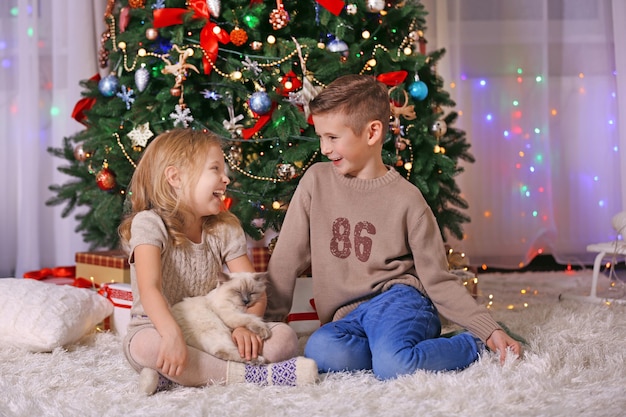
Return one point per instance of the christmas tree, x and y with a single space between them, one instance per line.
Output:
246 70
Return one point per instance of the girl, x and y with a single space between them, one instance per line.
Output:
178 236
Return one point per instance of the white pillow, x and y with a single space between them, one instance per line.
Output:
39 317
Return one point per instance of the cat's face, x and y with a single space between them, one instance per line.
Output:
242 288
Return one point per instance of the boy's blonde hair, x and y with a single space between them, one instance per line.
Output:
186 150
359 97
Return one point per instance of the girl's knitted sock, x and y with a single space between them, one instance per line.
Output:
292 372
150 382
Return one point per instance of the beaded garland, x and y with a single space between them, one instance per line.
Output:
278 19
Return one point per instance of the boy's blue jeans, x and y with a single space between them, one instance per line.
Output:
393 334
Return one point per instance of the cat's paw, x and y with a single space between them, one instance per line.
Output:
262 330
259 360
228 355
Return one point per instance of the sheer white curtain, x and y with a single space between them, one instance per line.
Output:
46 47
538 84
549 173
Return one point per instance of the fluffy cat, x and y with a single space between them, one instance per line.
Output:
207 321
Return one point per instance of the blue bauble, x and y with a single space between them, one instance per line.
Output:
260 102
109 85
418 90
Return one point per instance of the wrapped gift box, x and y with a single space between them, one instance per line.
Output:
303 317
121 296
103 267
260 258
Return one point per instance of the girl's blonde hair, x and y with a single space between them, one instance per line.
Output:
186 150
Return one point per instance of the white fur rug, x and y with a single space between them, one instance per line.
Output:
574 365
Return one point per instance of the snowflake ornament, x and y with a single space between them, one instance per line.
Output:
252 66
127 96
139 135
294 98
159 4
212 95
181 115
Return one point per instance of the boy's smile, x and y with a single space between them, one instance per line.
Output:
356 155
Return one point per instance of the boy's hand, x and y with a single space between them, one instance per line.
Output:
250 345
499 341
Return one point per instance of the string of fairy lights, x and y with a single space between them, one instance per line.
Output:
182 115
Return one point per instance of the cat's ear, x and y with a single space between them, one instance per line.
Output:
222 277
261 276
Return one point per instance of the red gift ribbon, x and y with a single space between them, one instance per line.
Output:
110 293
333 6
61 272
209 35
304 316
392 78
58 272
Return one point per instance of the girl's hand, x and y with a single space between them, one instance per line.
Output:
172 358
250 345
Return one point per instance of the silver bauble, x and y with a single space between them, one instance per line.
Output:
215 7
375 6
142 76
339 46
351 9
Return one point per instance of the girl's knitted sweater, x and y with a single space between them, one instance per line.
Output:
185 272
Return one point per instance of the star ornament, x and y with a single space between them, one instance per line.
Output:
139 135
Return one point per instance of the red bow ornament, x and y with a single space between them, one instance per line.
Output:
210 35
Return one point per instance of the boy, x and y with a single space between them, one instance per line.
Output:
380 273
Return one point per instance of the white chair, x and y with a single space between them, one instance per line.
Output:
604 250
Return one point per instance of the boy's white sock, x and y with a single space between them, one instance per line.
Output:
292 372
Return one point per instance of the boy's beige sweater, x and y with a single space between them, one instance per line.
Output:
360 237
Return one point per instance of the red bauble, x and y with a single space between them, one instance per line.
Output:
105 179
238 36
137 4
